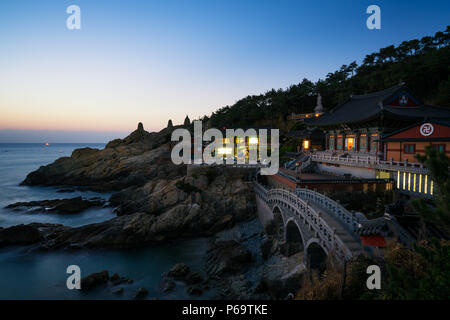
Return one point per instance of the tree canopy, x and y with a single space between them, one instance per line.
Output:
423 64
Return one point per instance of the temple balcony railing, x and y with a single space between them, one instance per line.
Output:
371 162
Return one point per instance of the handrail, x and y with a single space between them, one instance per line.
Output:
349 219
366 161
313 217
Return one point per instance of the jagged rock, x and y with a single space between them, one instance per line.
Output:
94 280
284 276
20 235
227 257
60 206
132 161
178 271
194 290
169 285
141 293
116 280
114 277
154 206
194 278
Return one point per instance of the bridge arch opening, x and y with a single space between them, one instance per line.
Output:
316 257
294 240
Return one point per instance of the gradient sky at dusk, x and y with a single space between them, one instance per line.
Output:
151 61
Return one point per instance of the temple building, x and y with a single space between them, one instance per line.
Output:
376 135
404 144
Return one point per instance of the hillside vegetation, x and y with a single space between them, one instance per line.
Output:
423 64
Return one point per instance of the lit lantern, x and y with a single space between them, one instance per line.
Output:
305 144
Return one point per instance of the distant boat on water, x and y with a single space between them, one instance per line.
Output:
47 144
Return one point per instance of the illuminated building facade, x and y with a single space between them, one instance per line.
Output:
376 135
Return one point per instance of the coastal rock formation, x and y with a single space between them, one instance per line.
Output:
162 210
60 206
227 257
131 161
102 279
178 271
141 293
20 235
94 280
284 275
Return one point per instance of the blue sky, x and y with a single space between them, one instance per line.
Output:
151 61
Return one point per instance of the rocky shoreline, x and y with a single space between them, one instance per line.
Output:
156 201
58 206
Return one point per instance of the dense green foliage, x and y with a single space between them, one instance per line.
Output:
423 64
438 164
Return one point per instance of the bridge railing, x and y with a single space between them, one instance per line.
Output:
347 218
325 233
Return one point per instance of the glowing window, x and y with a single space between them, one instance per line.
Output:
398 179
420 183
349 143
414 183
404 187
223 151
253 140
425 185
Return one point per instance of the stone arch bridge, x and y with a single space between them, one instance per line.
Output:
312 223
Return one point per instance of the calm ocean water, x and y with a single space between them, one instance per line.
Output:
43 275
16 161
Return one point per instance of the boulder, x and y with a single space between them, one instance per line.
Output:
116 280
194 278
20 235
194 290
168 285
283 276
227 257
178 271
94 280
141 293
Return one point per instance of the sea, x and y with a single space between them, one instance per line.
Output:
43 275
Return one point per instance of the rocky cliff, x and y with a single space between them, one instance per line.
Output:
156 200
122 163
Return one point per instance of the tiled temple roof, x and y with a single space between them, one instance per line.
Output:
372 105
